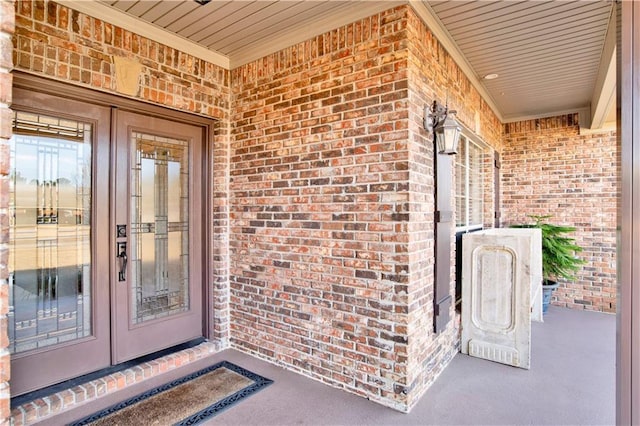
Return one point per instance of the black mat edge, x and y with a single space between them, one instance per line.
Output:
219 406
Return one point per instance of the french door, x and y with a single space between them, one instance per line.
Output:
105 237
157 269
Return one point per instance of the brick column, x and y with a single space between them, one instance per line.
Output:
7 26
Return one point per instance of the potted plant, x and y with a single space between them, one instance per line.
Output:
558 255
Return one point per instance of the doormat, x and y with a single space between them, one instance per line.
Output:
185 401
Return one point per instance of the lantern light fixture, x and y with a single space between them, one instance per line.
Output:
442 123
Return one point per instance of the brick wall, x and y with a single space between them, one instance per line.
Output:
319 214
63 44
332 206
66 45
550 168
7 24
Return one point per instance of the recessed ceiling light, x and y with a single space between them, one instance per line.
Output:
490 76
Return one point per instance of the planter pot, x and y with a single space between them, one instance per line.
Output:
547 290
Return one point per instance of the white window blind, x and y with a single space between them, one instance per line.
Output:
469 196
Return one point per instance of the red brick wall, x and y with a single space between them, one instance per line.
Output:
319 207
7 24
332 206
66 45
548 167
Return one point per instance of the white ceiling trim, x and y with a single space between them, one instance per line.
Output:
604 95
429 17
145 29
302 32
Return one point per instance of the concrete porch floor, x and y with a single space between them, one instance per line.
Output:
571 382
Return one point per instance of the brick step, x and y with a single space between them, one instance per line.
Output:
92 396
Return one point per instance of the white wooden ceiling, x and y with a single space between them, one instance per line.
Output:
245 30
548 54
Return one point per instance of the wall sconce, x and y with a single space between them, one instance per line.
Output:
446 130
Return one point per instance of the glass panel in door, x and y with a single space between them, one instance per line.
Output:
159 227
53 263
50 232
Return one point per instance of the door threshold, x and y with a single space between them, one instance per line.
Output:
109 385
71 383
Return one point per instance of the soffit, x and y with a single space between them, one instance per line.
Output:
244 30
547 53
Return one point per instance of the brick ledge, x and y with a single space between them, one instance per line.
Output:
42 408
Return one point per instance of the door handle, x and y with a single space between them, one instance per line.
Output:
122 261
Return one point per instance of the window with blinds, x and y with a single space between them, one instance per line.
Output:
470 169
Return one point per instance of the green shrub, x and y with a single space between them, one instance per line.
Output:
558 250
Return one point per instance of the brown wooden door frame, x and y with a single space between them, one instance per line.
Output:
628 335
496 189
39 89
46 86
